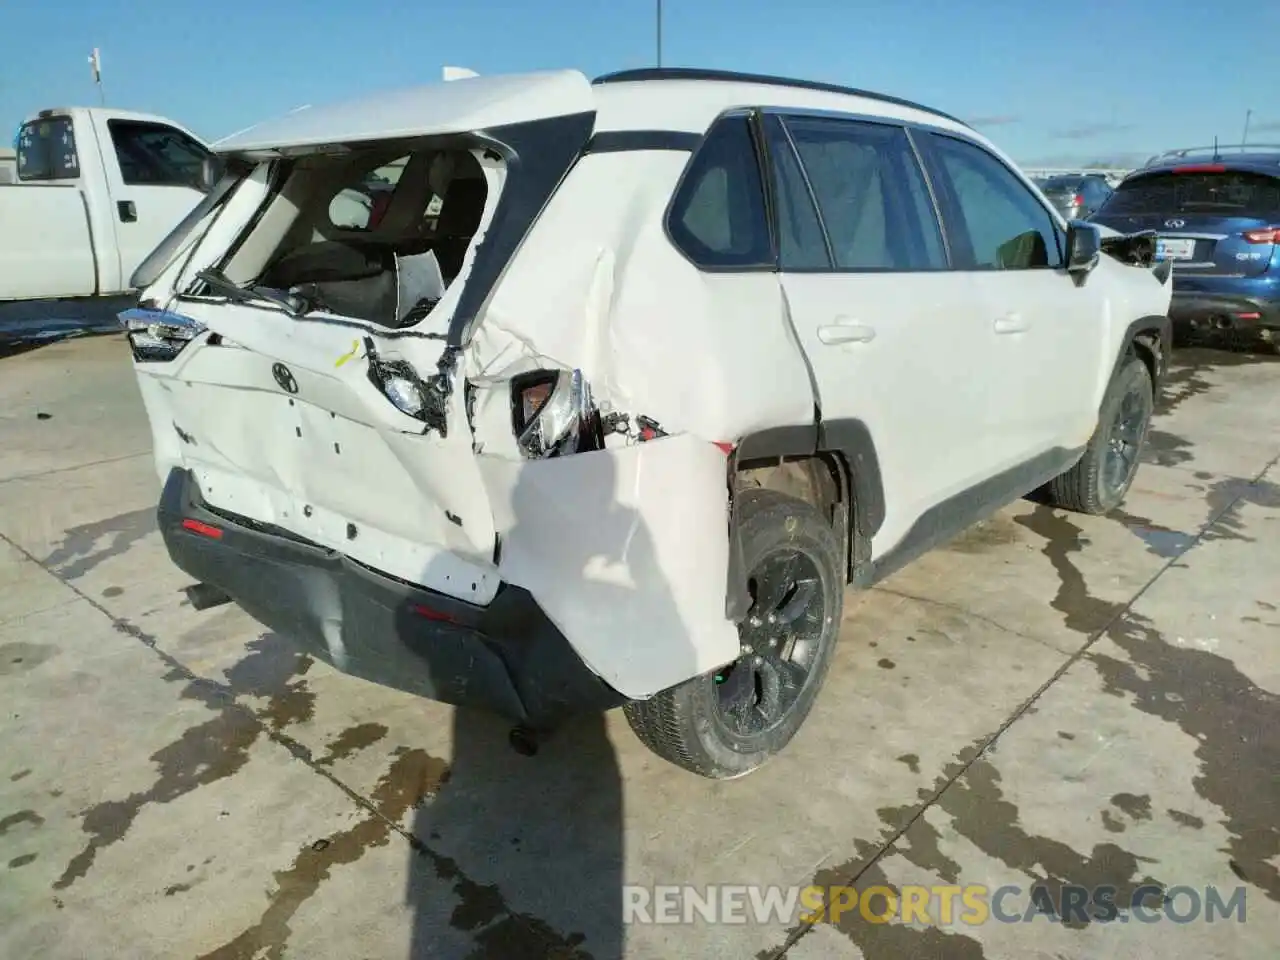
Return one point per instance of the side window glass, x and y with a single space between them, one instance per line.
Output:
1005 226
717 216
47 150
362 205
153 155
801 242
871 193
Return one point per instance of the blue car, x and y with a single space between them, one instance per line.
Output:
1216 211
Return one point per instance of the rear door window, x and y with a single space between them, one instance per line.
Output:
993 219
871 193
47 150
156 155
1230 193
802 244
717 216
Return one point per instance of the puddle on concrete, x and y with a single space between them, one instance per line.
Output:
1165 449
351 741
78 551
207 752
20 656
1081 611
1233 722
413 776
1160 540
12 820
979 812
1224 499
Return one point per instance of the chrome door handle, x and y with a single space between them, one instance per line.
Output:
845 332
1013 323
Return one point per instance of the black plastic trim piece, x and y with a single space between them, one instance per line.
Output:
539 154
626 141
730 76
851 439
956 514
1162 327
800 440
847 437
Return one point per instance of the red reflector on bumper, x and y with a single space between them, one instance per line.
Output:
1249 316
204 529
725 446
428 614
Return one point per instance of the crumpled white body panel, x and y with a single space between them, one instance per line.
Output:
598 286
626 550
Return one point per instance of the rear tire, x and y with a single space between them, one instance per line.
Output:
1099 481
726 723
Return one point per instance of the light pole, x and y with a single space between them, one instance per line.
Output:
659 28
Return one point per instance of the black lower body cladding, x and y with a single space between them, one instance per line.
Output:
507 657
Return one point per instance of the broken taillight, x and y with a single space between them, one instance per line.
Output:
158 335
1262 235
552 413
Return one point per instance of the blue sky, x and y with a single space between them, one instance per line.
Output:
1141 77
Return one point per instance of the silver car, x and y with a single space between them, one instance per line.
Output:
1077 197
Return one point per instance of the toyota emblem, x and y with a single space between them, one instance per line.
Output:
1175 224
283 377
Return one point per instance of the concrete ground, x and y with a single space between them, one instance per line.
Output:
1050 700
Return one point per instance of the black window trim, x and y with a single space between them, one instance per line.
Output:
115 122
785 113
951 203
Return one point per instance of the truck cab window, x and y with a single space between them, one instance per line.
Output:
47 150
153 155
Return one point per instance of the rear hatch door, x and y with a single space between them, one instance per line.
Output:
289 420
1212 220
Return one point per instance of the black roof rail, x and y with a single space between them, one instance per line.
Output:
730 76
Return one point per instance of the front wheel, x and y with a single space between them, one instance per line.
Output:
1098 483
726 723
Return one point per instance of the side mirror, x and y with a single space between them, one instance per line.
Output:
211 171
1084 248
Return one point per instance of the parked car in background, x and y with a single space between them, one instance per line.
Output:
1076 197
95 190
1217 212
685 353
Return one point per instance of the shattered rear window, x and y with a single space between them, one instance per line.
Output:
1233 192
47 150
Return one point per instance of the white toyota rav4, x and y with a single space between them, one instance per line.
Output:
614 386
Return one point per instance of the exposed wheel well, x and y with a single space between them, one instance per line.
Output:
821 479
1147 347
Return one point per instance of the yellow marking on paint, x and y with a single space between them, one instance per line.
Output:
355 345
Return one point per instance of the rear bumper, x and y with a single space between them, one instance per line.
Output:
1207 311
507 657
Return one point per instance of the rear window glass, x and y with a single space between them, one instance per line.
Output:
1060 183
1233 193
718 215
47 150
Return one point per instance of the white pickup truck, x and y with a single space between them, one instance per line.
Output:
96 191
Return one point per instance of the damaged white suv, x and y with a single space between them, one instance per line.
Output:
549 395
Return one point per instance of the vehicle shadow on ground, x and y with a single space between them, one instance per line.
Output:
533 846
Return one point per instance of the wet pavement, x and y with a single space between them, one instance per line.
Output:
1052 702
